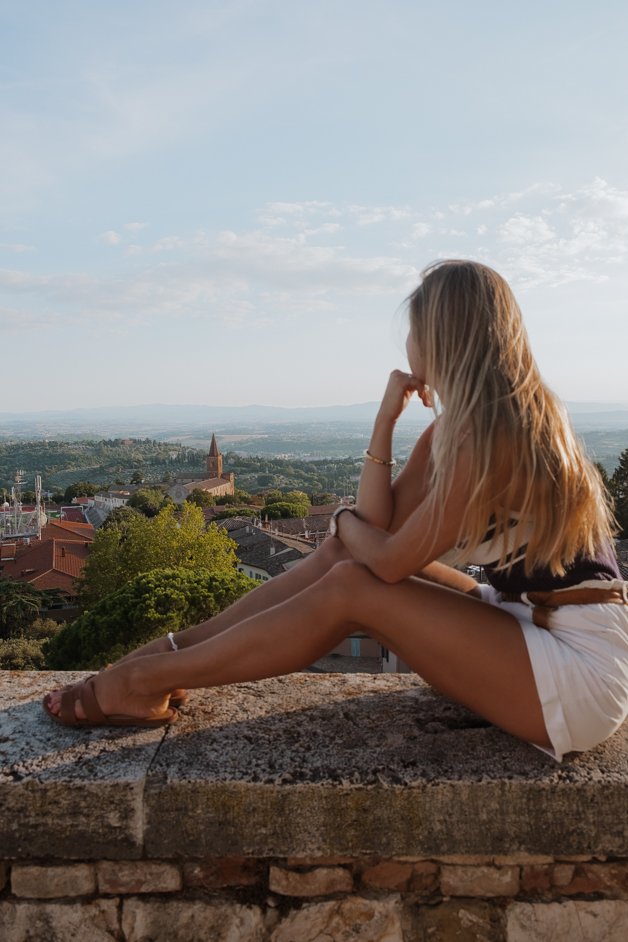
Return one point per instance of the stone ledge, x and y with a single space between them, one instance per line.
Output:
300 766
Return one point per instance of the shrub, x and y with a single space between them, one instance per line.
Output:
145 608
21 654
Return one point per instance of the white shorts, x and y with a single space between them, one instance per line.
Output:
581 670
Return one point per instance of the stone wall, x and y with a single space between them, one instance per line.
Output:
516 898
311 807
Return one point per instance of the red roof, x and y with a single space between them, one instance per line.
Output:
67 530
74 514
52 564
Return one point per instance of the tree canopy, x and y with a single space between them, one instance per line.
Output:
149 501
140 544
147 607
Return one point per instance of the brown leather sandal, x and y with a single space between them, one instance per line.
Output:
85 693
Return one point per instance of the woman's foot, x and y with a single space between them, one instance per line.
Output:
118 693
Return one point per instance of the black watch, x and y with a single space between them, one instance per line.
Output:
333 523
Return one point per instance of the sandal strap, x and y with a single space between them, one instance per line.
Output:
90 704
84 693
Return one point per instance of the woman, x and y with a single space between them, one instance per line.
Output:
497 479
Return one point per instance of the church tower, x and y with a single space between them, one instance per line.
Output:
214 460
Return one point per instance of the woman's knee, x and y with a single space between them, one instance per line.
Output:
331 552
341 583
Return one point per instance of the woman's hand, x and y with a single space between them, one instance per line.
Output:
399 391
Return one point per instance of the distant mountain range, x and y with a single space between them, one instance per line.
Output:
159 419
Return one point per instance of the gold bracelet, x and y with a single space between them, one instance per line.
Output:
389 464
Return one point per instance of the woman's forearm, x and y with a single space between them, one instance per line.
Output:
374 501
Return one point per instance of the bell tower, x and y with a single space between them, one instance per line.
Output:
214 460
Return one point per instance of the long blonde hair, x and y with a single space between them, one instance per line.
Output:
470 335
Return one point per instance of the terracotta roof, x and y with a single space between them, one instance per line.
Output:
72 514
52 564
67 530
213 448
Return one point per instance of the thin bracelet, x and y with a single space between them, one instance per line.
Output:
389 464
173 643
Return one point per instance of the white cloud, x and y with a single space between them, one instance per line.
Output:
134 226
110 237
420 230
521 229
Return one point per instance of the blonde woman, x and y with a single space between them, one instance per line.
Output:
498 479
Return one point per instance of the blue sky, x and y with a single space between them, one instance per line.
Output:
226 202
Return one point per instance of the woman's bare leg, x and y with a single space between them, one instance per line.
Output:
473 652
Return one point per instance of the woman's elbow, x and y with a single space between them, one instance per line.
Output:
388 570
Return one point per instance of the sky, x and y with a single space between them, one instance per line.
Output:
226 201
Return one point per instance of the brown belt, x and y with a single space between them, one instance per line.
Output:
544 603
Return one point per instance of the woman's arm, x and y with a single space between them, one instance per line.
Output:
375 500
422 538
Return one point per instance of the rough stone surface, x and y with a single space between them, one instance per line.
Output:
76 791
322 881
59 922
479 881
137 876
53 882
454 921
349 920
236 776
216 872
190 921
573 921
3 875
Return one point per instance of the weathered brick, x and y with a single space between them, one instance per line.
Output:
354 918
323 881
319 861
173 920
465 860
562 874
388 875
468 921
523 860
137 876
479 881
215 872
96 920
595 921
35 882
536 879
609 879
572 858
424 878
3 875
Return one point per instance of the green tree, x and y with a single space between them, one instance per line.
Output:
120 516
149 501
145 608
81 489
120 553
137 477
618 487
201 498
283 508
20 604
